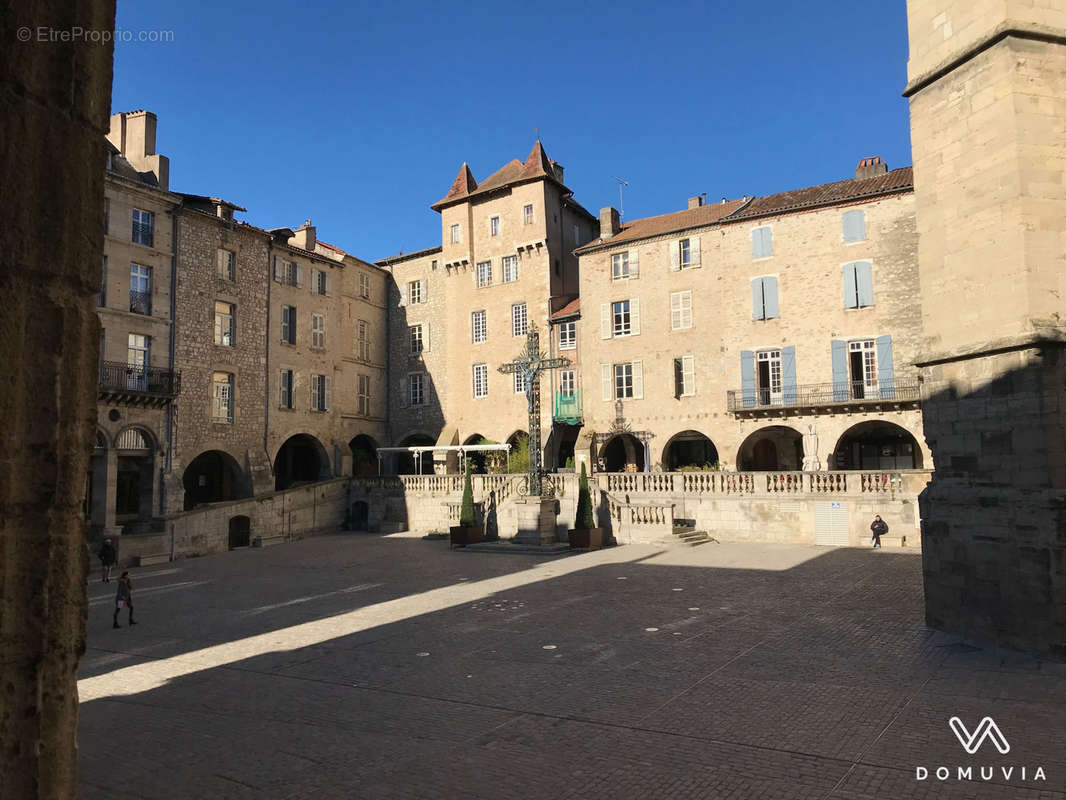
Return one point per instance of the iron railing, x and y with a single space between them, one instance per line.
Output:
823 394
119 378
568 408
141 302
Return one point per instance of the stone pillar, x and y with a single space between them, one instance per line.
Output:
988 104
536 520
54 102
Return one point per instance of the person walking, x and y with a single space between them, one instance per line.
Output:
124 598
108 557
878 528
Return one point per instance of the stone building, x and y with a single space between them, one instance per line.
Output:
459 311
766 333
137 378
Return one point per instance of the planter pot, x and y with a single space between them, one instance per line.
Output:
461 536
585 538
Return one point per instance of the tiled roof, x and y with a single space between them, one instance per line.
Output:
898 180
463 184
571 309
328 246
536 165
384 262
666 223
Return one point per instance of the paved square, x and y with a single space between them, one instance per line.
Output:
390 667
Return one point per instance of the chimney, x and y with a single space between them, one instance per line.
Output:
558 168
695 202
870 168
609 224
304 238
133 133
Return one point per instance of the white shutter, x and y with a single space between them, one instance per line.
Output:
425 337
422 287
694 251
299 275
277 271
634 264
675 311
638 380
606 381
403 297
675 255
688 375
329 389
314 392
329 283
605 320
634 316
281 389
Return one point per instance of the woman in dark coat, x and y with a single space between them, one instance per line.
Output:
124 597
108 557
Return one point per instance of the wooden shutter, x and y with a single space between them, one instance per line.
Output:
606 381
788 375
679 378
851 299
634 264
281 390
403 296
285 323
688 375
886 374
747 378
839 352
767 241
278 268
605 320
329 392
675 255
757 311
425 337
634 316
864 283
694 251
638 380
299 275
314 392
854 226
769 288
675 311
329 281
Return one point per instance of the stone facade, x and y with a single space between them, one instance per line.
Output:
987 107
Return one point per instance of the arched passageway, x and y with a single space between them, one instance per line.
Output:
689 449
364 456
240 532
623 453
776 447
213 477
302 459
876 445
478 460
135 476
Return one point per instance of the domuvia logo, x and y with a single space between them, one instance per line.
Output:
971 743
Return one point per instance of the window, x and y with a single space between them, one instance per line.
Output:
764 297
862 363
484 274
286 384
519 324
623 381
620 266
685 376
762 242
363 395
567 384
681 310
621 318
416 388
364 285
140 289
494 226
481 380
510 269
527 214
143 227
684 253
519 383
362 340
320 400
455 234
103 283
568 336
288 272
414 335
138 360
858 285
227 264
478 330
318 331
288 324
854 224
222 397
768 376
225 324
321 282
416 292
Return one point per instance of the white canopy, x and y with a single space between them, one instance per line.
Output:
461 449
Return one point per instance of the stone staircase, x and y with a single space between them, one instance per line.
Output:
685 533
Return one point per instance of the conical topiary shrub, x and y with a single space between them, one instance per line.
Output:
466 511
584 520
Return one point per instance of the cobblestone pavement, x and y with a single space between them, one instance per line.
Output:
391 667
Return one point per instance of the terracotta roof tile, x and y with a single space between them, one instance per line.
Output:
898 180
463 184
536 165
571 309
665 223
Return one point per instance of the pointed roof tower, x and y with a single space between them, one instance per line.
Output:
463 184
538 163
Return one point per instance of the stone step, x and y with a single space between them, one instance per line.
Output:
155 558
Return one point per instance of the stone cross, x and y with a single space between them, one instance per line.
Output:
529 365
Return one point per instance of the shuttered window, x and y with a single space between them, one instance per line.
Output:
286 379
764 297
685 376
681 310
762 242
318 331
858 284
854 224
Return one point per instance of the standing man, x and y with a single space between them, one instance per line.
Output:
124 597
108 557
878 528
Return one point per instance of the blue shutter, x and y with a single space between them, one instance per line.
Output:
789 393
747 378
854 226
756 299
886 375
865 283
850 299
767 242
769 289
839 349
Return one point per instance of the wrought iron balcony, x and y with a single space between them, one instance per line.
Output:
823 396
568 408
141 302
138 385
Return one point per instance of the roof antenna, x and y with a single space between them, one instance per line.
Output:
621 182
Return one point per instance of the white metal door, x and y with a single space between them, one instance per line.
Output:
831 524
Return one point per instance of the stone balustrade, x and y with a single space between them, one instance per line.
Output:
762 483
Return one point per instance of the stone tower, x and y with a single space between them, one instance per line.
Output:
987 90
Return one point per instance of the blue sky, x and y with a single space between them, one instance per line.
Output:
358 115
